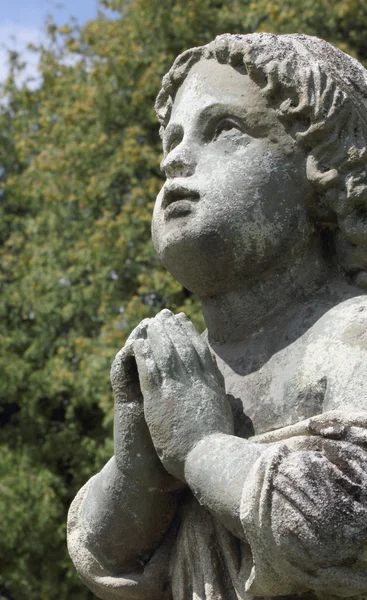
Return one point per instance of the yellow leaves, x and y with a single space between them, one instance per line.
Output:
136 311
11 180
346 8
62 377
158 281
114 335
64 30
83 345
73 45
102 139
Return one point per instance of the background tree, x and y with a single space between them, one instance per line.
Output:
79 173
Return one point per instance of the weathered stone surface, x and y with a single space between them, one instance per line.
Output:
240 465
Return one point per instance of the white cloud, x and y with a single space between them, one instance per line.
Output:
16 36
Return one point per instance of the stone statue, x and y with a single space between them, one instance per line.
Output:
240 465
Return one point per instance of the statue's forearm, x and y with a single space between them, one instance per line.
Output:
124 518
216 470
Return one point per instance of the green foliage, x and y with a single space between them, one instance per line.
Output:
79 174
340 22
31 511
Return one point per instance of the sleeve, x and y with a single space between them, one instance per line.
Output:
151 582
304 514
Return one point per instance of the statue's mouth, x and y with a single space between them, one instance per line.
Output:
176 193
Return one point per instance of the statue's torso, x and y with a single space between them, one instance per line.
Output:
299 381
302 379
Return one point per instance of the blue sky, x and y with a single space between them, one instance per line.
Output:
34 12
22 21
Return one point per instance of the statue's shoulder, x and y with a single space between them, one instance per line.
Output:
336 349
345 321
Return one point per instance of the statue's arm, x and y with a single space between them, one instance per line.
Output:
125 516
119 522
299 501
116 573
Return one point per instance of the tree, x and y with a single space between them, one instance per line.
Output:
79 159
340 22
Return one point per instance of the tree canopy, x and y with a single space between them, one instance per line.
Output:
79 173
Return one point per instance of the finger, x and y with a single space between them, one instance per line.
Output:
202 348
184 348
357 435
191 348
126 352
124 376
336 423
205 355
149 374
140 332
165 354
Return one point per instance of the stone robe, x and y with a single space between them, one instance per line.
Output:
304 517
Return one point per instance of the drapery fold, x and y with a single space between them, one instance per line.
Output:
304 509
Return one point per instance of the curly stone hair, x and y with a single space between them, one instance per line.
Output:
320 95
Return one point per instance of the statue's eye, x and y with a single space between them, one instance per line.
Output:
228 128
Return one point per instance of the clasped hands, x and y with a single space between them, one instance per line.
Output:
179 385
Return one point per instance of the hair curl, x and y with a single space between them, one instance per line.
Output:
320 95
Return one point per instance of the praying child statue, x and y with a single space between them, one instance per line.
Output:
240 465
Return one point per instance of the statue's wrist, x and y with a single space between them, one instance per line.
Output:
196 460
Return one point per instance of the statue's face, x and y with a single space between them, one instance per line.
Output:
236 184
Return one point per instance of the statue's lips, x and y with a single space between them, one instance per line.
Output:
180 208
178 195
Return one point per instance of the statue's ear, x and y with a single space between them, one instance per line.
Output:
321 176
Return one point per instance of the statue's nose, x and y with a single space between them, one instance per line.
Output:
180 162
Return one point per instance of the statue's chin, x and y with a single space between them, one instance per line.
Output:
204 264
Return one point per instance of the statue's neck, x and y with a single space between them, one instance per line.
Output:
255 303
